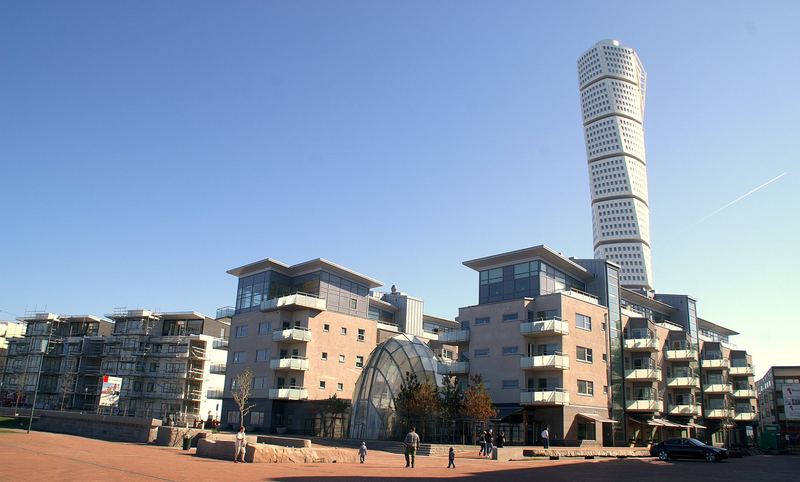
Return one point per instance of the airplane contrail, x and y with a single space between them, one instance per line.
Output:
743 196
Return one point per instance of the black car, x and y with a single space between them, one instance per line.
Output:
687 448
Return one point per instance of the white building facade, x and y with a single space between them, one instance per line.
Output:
612 86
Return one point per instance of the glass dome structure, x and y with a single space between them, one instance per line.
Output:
372 414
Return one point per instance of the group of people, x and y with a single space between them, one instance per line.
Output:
489 442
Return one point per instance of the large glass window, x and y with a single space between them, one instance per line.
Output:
521 280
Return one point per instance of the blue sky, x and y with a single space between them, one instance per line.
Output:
146 147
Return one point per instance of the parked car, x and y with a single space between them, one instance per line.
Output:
687 448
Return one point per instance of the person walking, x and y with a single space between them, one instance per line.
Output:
483 444
501 439
489 443
241 445
362 452
546 436
412 444
451 458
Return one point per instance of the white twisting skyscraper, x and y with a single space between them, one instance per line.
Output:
612 84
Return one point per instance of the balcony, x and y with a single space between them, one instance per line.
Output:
194 395
650 344
685 410
719 413
644 374
551 327
722 388
295 302
744 416
556 361
196 374
741 371
292 393
218 368
220 343
644 405
680 355
453 368
544 397
293 363
292 334
454 337
683 382
715 363
744 393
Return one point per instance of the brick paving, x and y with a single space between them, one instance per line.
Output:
47 456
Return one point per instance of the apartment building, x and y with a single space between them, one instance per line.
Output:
172 364
780 419
306 332
560 344
8 329
56 351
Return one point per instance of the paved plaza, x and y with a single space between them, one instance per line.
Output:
47 456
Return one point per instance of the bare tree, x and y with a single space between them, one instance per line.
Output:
67 384
240 391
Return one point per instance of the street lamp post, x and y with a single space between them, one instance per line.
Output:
39 373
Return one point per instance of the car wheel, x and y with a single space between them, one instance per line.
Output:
663 455
711 457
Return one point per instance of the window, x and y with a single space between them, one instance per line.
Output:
605 389
584 354
261 355
353 304
259 383
603 326
359 362
510 384
326 327
343 331
482 321
341 358
361 334
583 322
264 328
233 417
339 387
586 430
324 355
511 317
241 331
585 387
605 358
257 418
510 350
481 352
239 357
322 384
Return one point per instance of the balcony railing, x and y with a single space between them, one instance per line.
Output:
685 410
718 413
293 363
552 327
218 368
454 337
544 397
717 388
289 393
740 371
220 343
744 393
292 334
644 374
557 361
715 363
453 368
649 344
296 301
690 381
744 416
680 355
214 393
644 405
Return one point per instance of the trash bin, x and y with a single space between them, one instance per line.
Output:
187 442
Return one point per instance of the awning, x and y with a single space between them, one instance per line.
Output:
695 425
505 412
596 417
670 424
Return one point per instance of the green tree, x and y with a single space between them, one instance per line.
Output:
335 408
416 402
478 404
451 404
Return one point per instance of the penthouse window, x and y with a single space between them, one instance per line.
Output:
522 280
482 321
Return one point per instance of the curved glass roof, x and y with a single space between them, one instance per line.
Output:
372 414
